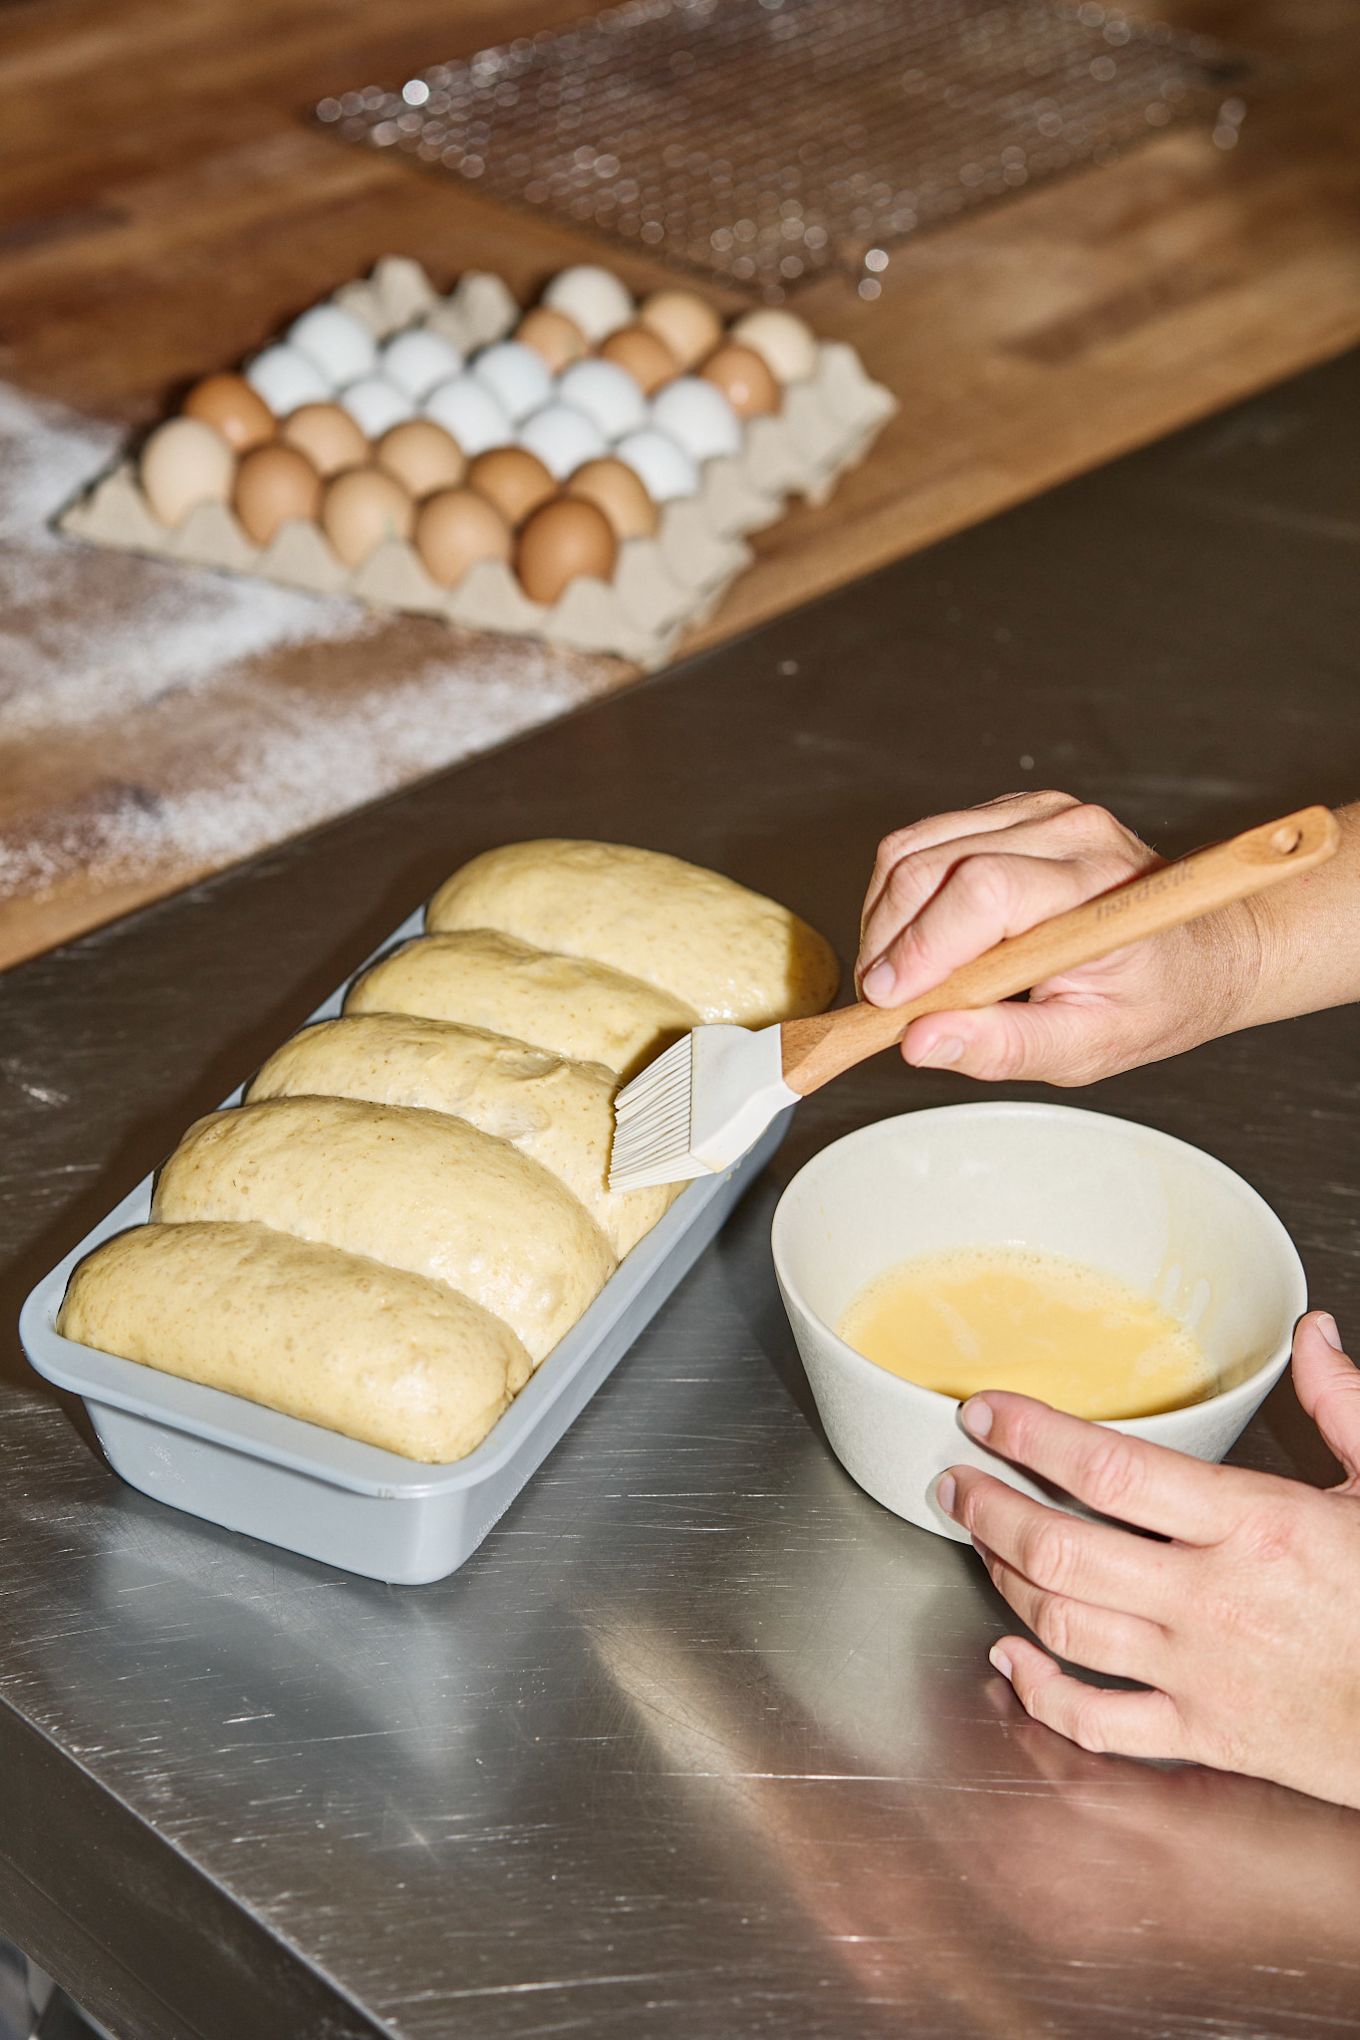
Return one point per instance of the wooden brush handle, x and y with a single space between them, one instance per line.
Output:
817 1049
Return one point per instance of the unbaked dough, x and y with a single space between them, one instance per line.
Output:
414 1190
577 1009
413 1207
559 1113
728 953
374 1352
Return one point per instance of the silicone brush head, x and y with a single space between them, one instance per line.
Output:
697 1109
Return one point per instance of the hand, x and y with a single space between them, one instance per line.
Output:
945 890
1245 1627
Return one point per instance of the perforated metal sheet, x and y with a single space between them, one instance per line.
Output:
765 141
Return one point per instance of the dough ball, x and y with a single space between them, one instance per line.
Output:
728 953
414 1190
484 979
374 1353
559 1113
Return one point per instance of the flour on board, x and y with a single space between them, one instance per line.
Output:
189 719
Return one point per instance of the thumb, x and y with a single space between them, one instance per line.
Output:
1051 1041
1328 1386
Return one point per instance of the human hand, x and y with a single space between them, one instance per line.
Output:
946 889
1245 1626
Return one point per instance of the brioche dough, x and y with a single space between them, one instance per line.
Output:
728 953
413 1190
373 1352
413 1207
560 1114
573 1008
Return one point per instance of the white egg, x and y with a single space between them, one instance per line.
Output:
416 360
664 469
606 393
467 409
335 342
563 438
785 345
698 417
286 380
593 298
376 406
517 377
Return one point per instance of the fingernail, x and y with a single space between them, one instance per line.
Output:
946 1492
1326 1324
878 983
997 1659
976 1417
940 1054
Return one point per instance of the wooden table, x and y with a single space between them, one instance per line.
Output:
167 206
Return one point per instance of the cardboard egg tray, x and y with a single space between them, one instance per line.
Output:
660 585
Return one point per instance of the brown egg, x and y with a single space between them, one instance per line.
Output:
422 456
273 485
557 339
233 408
686 322
327 435
616 490
561 542
363 507
512 478
643 354
744 379
456 529
185 463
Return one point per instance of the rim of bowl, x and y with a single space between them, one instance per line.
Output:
1021 1108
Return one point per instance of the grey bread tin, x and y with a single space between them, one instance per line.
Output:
331 1498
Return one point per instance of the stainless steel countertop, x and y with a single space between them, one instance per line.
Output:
702 1742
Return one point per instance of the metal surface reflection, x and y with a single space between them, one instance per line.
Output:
701 1744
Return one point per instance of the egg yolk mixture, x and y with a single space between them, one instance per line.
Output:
979 1318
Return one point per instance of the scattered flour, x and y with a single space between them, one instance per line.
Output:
210 684
66 661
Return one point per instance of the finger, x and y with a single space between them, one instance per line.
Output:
1094 1717
907 882
954 827
1065 1040
912 864
1102 1639
1126 1478
1062 1554
934 918
1328 1386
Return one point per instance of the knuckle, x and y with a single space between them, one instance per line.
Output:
902 886
1003 1059
1271 1533
892 846
984 884
1110 1475
1088 1727
1055 1623
1047 1555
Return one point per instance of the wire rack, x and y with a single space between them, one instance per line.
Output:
763 142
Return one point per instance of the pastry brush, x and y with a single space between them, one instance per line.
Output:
697 1109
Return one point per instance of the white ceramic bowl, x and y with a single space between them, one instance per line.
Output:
1163 1216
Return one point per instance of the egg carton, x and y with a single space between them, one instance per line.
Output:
660 585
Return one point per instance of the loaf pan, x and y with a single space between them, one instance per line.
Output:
332 1498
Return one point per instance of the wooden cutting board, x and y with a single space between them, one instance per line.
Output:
168 206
